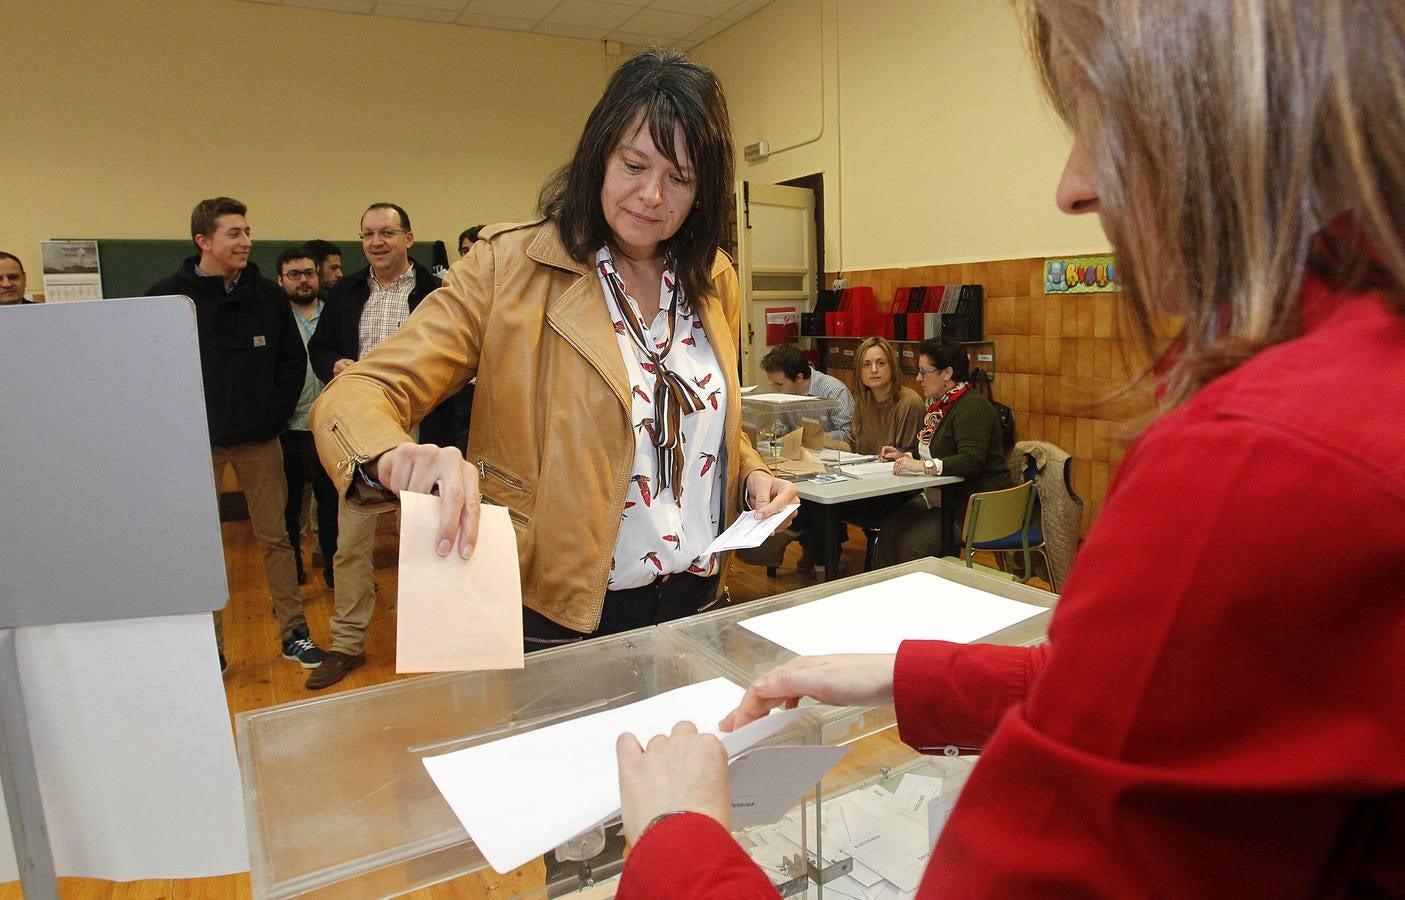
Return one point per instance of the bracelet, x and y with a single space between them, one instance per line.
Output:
659 818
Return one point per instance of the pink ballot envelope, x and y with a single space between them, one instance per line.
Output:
456 614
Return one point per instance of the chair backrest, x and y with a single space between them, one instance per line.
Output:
992 515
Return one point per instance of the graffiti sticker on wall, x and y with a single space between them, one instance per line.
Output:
1080 275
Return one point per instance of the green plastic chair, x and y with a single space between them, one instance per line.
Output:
1000 521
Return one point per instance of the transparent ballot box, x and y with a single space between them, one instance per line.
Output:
876 815
745 655
339 803
766 421
755 408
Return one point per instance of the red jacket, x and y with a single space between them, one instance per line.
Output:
1221 708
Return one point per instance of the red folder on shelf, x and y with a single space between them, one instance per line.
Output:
782 325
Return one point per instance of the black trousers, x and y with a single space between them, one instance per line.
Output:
871 513
301 465
669 597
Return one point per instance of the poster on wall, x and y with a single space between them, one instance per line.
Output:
1080 275
71 270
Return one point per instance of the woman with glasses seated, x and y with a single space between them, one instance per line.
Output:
960 435
604 337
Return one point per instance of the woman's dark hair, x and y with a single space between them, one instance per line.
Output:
944 354
671 92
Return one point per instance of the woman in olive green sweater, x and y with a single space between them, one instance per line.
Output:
960 435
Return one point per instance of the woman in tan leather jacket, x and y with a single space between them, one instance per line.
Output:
604 339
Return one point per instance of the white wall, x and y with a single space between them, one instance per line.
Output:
929 125
120 116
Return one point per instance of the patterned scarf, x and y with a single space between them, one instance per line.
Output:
674 398
938 410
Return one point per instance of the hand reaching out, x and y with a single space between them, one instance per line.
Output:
851 679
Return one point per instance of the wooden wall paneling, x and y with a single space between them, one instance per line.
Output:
1058 355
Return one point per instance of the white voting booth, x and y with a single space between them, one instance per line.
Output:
115 751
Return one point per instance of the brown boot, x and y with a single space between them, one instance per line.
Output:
333 669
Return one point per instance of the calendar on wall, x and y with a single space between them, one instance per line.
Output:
71 270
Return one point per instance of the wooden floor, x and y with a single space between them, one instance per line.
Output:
259 676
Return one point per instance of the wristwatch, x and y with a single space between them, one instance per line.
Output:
929 467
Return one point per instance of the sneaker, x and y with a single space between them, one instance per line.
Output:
300 647
333 669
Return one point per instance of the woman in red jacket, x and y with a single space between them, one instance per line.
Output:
1220 710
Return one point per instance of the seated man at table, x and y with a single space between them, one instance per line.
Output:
789 372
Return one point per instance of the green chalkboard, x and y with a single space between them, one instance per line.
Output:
130 267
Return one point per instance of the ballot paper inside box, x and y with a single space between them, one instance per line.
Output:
867 835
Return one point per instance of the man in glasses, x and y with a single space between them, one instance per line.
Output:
364 309
252 364
298 277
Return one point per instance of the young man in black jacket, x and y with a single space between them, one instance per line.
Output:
252 363
365 308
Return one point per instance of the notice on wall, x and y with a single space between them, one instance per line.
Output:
71 270
1081 275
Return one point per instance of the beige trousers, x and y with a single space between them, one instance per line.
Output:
355 573
259 467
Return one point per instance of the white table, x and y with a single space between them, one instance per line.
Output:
833 495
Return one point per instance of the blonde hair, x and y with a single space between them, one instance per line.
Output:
1225 137
865 397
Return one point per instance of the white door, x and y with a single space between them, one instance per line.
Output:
775 262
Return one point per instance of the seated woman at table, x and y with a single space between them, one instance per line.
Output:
886 411
960 436
1218 712
607 416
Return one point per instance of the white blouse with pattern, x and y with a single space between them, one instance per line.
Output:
660 535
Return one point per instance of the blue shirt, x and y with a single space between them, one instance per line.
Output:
311 387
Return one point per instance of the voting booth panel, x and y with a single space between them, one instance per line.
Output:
109 535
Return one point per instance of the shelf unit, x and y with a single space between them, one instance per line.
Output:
832 353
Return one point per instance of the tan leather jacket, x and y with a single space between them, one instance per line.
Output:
551 431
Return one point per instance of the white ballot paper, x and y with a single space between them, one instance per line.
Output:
520 796
889 843
779 398
868 469
768 781
876 618
843 456
749 531
133 749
